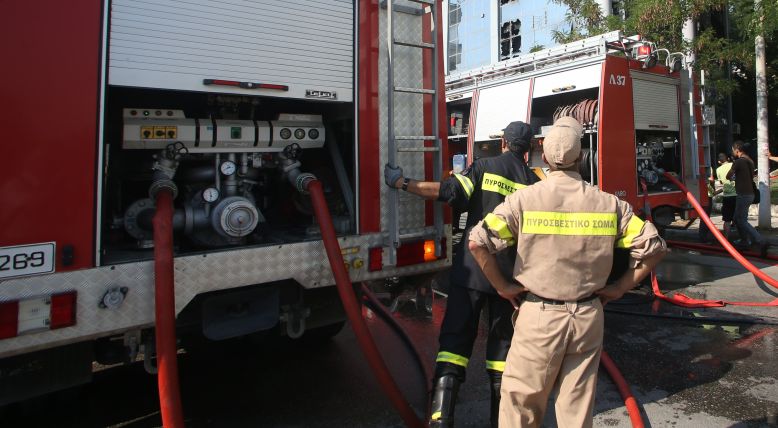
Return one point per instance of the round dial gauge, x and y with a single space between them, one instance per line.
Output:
210 194
286 133
299 133
228 168
313 134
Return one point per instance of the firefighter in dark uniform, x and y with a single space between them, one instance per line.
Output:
477 190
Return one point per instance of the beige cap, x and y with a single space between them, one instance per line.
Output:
562 144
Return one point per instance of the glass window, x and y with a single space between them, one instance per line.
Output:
469 35
528 25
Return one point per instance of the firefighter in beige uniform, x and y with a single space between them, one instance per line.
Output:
565 232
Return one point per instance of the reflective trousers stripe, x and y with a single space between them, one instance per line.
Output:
500 228
498 366
448 357
562 223
634 227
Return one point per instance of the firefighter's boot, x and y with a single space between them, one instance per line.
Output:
444 398
495 381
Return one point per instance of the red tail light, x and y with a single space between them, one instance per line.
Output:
375 260
417 252
63 310
9 319
33 317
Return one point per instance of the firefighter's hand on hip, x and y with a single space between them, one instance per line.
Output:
511 292
393 176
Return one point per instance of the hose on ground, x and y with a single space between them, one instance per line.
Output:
626 393
376 306
682 300
353 308
165 313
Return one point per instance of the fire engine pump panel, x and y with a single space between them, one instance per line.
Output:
238 165
655 150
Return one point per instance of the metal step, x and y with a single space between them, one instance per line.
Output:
417 149
414 90
414 235
414 44
415 137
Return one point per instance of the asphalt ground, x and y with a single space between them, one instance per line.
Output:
687 368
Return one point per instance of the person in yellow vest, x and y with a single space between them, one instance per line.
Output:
565 232
728 192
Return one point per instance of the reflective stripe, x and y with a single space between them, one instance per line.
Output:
448 357
435 416
577 224
497 184
495 365
634 227
500 227
466 184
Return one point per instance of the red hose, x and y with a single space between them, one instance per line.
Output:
730 249
353 308
714 249
626 394
682 300
165 313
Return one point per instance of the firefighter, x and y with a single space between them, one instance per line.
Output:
565 232
477 190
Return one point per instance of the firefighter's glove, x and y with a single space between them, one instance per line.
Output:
392 175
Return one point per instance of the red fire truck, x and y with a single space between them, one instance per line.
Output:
636 110
236 104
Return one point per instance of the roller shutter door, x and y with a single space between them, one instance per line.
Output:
307 45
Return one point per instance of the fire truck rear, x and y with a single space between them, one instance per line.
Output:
643 116
237 105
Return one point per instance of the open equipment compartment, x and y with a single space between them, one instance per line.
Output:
233 158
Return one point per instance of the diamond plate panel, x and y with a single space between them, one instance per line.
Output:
408 113
305 262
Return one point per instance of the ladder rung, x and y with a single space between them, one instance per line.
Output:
427 2
415 137
418 149
414 44
415 235
414 90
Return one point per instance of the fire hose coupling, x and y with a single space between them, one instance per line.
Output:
162 184
302 182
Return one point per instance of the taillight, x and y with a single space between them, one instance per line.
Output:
63 310
38 313
375 259
9 319
412 253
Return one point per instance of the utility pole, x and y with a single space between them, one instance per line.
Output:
730 125
762 122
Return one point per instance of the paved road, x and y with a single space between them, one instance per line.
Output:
684 374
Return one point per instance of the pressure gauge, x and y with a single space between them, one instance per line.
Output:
228 168
286 133
210 194
299 133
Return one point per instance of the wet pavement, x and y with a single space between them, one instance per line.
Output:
687 368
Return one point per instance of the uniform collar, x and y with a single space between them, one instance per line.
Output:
569 174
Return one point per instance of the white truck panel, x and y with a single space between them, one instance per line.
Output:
305 44
569 80
500 105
